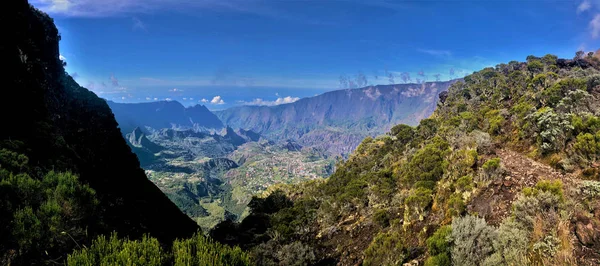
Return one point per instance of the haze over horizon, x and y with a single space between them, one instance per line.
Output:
227 53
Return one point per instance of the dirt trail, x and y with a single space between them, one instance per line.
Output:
495 202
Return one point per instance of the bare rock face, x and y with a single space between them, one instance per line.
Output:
357 113
587 231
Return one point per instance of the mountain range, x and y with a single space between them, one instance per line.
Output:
163 114
335 121
505 171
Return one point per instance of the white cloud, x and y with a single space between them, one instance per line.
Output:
123 98
584 6
168 99
175 90
115 8
217 100
185 99
156 99
203 100
148 99
435 52
191 99
595 26
259 101
61 57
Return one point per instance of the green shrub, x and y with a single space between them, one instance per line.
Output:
553 187
382 218
456 205
439 242
416 203
491 170
427 164
472 239
115 251
510 245
200 250
385 249
585 124
464 183
545 197
495 121
403 133
535 66
439 260
491 164
588 146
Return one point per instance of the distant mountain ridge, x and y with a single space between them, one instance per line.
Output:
163 114
342 116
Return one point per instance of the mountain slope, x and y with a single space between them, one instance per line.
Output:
163 114
61 126
504 172
317 120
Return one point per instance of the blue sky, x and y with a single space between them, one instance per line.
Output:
269 52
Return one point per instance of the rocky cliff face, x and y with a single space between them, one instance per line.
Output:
319 120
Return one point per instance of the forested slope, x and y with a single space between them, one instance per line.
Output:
505 172
66 173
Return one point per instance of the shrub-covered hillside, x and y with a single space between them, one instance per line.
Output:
66 174
505 172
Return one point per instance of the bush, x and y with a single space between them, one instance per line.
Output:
510 245
456 205
200 250
427 164
382 218
491 170
535 66
588 146
416 203
115 251
552 187
472 239
545 197
590 189
491 164
550 129
197 250
439 242
494 122
439 260
464 183
296 254
547 247
385 249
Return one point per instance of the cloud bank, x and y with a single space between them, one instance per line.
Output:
261 102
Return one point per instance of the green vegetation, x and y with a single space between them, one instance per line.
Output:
49 215
466 186
197 250
461 188
439 247
213 190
